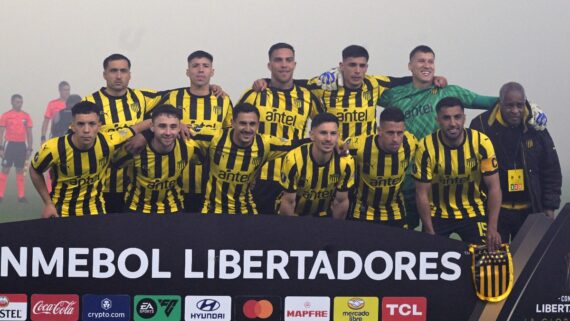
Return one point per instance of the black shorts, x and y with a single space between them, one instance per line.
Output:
14 155
193 202
471 230
114 202
265 194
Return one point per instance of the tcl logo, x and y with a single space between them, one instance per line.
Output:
404 309
55 307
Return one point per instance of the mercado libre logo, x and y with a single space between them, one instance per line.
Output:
258 308
350 308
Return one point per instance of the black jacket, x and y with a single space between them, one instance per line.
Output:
543 176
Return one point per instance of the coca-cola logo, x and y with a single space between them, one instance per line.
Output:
55 307
60 308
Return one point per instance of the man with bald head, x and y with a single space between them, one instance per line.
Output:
529 169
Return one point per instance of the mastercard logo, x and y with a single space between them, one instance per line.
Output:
257 309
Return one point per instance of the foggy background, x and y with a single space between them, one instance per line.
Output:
479 45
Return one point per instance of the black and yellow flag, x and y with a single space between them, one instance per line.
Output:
492 272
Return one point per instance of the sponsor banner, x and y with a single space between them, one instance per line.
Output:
157 308
355 308
211 255
307 308
54 307
268 308
201 308
106 307
13 306
404 309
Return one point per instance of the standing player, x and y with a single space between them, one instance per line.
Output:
15 131
78 161
382 160
354 103
315 178
157 169
235 156
284 110
200 108
54 107
121 107
448 168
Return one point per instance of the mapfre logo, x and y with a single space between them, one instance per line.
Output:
218 308
55 307
13 306
258 308
404 309
307 308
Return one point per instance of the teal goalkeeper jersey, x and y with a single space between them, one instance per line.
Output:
418 105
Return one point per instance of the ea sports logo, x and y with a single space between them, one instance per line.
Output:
254 309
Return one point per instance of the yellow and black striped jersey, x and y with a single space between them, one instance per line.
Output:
284 113
233 169
314 184
199 111
122 112
78 175
455 173
354 108
156 187
380 177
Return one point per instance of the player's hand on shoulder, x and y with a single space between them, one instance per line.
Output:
330 79
259 85
440 81
343 149
218 91
135 145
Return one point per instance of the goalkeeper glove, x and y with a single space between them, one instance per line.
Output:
538 118
330 79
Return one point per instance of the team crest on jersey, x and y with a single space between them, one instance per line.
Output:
471 162
404 163
367 95
299 103
256 161
492 272
218 109
529 144
135 107
334 178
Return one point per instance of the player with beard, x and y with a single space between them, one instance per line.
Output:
449 167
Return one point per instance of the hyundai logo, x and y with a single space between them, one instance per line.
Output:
208 305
